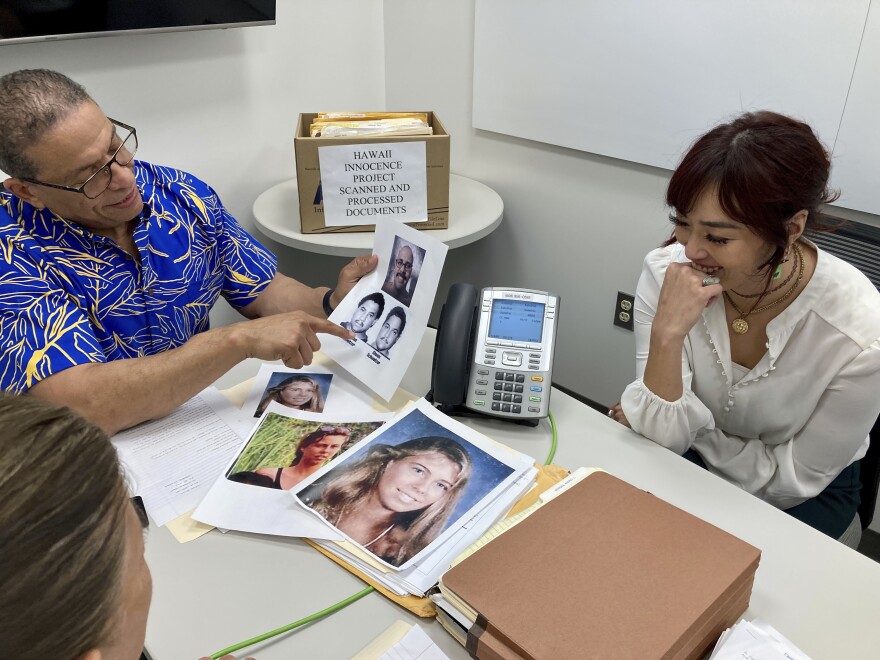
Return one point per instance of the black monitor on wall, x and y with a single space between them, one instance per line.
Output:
41 20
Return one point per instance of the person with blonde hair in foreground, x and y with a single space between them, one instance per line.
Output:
74 580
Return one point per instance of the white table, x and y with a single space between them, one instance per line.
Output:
475 210
221 589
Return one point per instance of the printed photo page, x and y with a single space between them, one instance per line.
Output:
285 448
411 485
418 578
388 309
315 388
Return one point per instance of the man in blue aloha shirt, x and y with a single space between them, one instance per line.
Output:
109 267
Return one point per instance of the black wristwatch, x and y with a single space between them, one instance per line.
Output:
326 302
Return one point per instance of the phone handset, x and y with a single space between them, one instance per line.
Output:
454 346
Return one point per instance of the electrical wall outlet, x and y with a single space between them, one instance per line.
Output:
623 310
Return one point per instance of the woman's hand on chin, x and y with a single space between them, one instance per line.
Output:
682 300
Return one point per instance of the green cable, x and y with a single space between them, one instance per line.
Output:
295 624
353 598
555 436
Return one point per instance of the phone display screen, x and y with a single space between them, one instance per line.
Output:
516 320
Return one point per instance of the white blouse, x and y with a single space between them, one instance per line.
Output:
785 429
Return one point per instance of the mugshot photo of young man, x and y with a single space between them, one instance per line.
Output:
367 312
390 331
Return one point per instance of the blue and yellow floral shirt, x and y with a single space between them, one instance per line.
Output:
70 297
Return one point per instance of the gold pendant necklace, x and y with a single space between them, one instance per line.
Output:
739 325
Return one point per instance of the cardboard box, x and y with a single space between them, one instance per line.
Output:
308 175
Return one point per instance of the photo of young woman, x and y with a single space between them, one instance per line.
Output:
298 391
312 451
284 450
395 499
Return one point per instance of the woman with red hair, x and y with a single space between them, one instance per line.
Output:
758 354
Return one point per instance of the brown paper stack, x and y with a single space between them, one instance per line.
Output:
604 570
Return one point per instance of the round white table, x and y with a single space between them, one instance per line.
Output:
475 210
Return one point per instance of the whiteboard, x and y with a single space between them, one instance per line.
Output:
640 80
856 169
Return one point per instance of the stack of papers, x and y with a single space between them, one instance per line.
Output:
171 462
421 576
174 461
397 499
252 492
477 489
370 124
755 640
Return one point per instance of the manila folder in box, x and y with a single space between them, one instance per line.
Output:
604 570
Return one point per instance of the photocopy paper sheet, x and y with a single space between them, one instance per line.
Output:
172 462
388 309
249 491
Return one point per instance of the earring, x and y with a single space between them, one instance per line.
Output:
785 257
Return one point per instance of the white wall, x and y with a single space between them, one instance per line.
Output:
574 222
222 104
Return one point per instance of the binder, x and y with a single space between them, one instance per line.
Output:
604 570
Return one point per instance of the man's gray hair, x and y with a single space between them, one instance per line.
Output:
32 101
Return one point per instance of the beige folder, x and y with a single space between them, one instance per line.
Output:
604 570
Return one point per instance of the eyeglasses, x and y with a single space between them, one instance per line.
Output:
96 184
403 264
138 503
335 430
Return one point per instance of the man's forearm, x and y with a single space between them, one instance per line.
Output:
285 294
286 319
122 393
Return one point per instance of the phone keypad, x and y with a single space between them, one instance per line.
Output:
508 392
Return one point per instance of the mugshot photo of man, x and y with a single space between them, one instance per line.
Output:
368 310
403 271
389 333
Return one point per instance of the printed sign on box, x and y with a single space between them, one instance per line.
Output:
311 190
363 182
